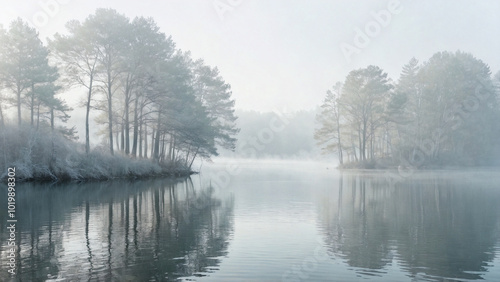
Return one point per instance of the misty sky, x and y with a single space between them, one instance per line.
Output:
284 54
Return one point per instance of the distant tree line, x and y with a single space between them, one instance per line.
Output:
442 112
273 135
155 100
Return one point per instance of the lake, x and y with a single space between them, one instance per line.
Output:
261 221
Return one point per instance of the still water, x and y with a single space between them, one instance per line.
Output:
261 221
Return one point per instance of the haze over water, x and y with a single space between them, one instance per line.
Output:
274 221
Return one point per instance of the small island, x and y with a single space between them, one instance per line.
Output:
428 119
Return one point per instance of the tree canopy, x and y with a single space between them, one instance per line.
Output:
441 112
153 99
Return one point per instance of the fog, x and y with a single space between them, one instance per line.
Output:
285 54
282 57
250 140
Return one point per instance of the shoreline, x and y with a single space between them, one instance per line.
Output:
42 155
385 164
130 176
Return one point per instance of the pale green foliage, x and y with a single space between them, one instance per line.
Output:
144 85
28 80
215 95
442 112
364 96
130 71
329 134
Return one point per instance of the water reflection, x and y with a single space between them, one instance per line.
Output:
297 223
118 231
432 227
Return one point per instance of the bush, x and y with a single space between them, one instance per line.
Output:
41 154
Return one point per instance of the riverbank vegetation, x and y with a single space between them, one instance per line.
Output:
45 155
159 108
443 112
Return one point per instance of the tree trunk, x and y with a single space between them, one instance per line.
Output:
187 156
341 156
128 94
156 147
157 140
122 139
194 157
18 105
152 153
110 126
162 154
139 142
87 116
173 149
117 140
145 132
136 129
127 128
110 110
38 115
360 145
354 152
372 142
32 106
170 147
363 140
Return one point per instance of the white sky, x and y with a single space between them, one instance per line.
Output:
285 54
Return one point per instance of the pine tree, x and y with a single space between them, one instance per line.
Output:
24 65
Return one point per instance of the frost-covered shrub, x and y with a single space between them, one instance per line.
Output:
37 153
44 154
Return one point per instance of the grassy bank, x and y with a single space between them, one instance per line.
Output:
43 155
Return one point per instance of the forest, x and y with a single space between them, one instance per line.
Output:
158 108
273 135
440 113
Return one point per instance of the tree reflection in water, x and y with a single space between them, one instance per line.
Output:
433 227
119 231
